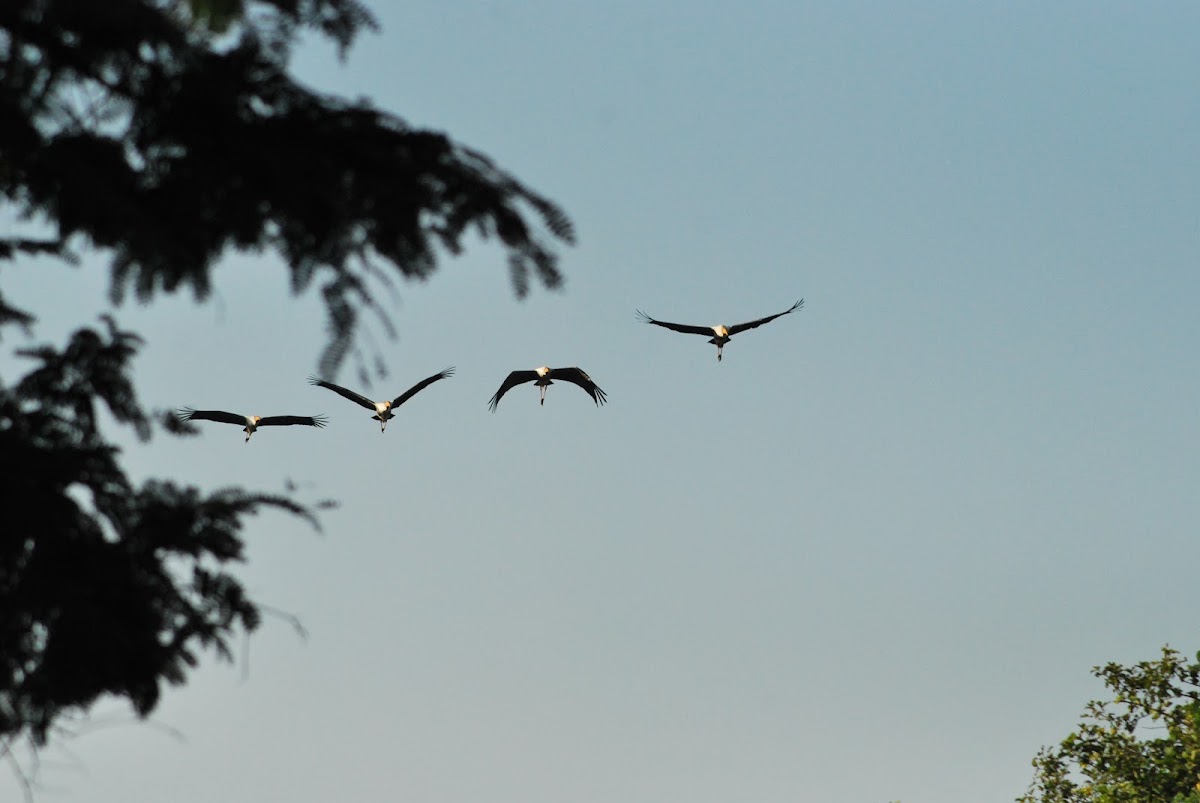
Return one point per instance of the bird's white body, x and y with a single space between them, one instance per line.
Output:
722 337
543 382
383 411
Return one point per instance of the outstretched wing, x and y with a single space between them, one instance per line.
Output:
343 392
417 388
580 378
188 414
513 379
707 331
292 420
741 327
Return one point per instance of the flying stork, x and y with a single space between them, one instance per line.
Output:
251 423
721 334
543 377
383 409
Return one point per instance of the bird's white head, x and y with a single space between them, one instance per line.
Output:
545 369
253 420
722 331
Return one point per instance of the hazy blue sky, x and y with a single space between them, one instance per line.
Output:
870 556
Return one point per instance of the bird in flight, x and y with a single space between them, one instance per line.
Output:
251 423
383 409
720 334
543 377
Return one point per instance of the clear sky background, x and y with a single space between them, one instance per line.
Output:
870 556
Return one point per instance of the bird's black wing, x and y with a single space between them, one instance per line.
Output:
417 388
741 327
707 331
188 414
343 392
513 379
580 378
291 420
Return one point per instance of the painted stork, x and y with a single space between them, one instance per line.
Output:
251 423
383 409
720 334
543 377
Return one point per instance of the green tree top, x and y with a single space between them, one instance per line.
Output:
1142 746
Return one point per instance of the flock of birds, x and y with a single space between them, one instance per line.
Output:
542 378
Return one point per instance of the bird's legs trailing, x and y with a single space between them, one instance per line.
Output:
542 398
719 341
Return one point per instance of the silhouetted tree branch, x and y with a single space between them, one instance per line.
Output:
88 605
164 134
132 125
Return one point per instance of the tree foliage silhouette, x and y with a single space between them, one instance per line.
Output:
1142 746
88 605
166 133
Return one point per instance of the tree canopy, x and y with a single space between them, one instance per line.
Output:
168 133
88 605
164 134
1141 746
